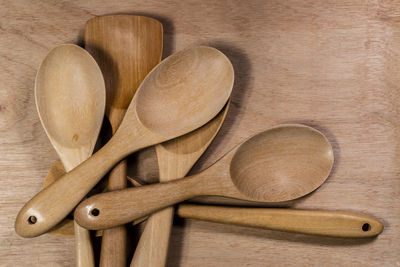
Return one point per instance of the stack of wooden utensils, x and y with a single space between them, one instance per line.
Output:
177 105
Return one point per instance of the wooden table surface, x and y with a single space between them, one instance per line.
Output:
334 65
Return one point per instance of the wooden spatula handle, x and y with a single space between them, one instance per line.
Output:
152 248
314 222
53 203
123 206
113 248
113 243
83 248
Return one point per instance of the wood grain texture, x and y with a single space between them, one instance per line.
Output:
126 48
317 222
200 76
314 222
84 255
333 65
280 164
113 242
175 159
70 99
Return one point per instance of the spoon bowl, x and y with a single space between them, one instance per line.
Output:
204 67
296 161
70 100
280 164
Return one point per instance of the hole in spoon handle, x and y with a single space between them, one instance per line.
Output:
366 227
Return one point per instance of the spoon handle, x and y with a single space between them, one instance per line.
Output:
53 203
123 206
313 222
83 247
113 242
152 249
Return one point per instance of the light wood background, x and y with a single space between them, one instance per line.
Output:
334 65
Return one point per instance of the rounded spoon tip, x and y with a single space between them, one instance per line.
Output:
205 70
296 158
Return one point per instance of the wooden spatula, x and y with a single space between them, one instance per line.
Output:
175 159
127 48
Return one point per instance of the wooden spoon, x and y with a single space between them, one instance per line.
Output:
127 48
182 93
70 99
314 222
280 164
175 158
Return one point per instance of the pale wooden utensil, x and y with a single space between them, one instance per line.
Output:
65 227
175 158
70 100
324 222
182 93
314 222
280 164
127 48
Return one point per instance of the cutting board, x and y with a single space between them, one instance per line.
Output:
333 65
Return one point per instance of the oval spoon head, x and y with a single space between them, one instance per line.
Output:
281 164
69 73
184 91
